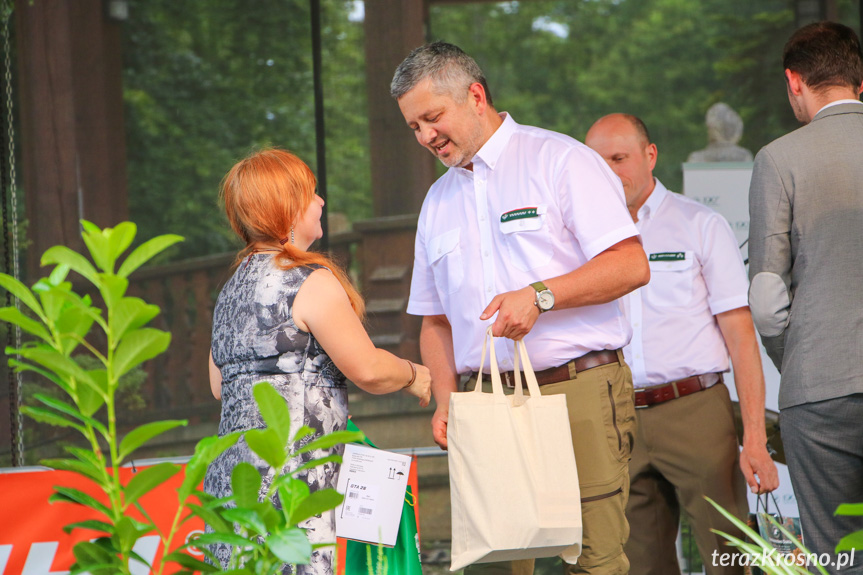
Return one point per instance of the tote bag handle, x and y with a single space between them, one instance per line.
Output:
520 357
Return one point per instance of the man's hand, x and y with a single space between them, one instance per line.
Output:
754 460
516 313
439 424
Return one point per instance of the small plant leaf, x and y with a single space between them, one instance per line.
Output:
331 440
68 494
302 433
850 509
130 313
248 519
290 545
112 288
58 274
291 494
121 238
274 410
128 531
849 542
206 451
64 407
318 462
211 518
141 435
31 326
266 444
92 525
228 538
315 504
77 262
190 563
143 253
76 466
137 347
19 366
245 484
21 291
43 415
147 479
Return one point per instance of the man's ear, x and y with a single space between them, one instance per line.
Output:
795 82
652 153
476 94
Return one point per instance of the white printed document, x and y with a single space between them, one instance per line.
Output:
373 482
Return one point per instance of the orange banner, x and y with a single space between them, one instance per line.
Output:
32 541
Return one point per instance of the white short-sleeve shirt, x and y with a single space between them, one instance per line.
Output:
537 205
696 272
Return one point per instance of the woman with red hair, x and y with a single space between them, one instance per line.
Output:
290 317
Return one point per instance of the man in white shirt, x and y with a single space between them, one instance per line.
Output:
686 322
530 226
805 246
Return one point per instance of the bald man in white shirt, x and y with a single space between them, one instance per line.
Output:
528 231
686 322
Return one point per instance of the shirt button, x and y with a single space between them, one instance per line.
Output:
438 251
636 324
482 218
488 290
485 253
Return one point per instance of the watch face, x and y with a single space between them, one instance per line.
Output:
546 300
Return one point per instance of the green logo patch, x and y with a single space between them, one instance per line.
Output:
668 257
519 214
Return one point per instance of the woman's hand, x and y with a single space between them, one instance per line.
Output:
421 387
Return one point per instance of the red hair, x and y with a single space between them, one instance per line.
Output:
264 194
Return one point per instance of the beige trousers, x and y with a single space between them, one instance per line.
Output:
602 419
685 449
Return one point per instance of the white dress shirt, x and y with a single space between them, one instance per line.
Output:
696 272
537 205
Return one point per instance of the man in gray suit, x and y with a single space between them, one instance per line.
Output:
806 272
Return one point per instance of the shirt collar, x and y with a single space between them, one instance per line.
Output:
653 201
837 102
494 146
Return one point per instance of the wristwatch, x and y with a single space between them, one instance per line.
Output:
544 298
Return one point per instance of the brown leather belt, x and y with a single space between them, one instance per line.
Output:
566 371
647 396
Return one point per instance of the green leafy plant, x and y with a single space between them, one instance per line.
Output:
763 555
60 322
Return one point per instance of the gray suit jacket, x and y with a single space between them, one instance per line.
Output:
806 255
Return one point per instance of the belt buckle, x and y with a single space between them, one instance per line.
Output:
508 379
635 402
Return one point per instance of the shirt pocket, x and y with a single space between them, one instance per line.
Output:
671 281
446 261
528 240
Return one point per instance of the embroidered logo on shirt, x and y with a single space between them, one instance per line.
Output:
519 214
668 257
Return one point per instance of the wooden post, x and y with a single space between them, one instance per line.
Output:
402 170
71 106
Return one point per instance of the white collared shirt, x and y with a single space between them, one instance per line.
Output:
696 272
836 103
537 205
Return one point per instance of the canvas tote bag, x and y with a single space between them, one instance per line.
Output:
513 480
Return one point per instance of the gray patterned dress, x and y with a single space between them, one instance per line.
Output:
255 339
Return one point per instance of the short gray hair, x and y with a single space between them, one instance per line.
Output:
451 70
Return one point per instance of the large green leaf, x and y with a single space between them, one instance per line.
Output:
229 538
849 542
112 288
245 484
190 563
137 347
274 410
315 504
212 518
120 238
90 555
291 546
248 519
76 466
20 291
143 253
20 366
43 415
58 275
68 494
147 479
292 492
66 256
56 362
92 525
15 317
128 531
206 451
92 396
96 241
130 313
318 462
332 439
141 435
850 509
67 409
73 323
268 446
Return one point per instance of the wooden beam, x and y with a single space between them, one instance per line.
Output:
402 170
72 135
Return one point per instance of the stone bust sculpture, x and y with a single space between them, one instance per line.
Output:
724 129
